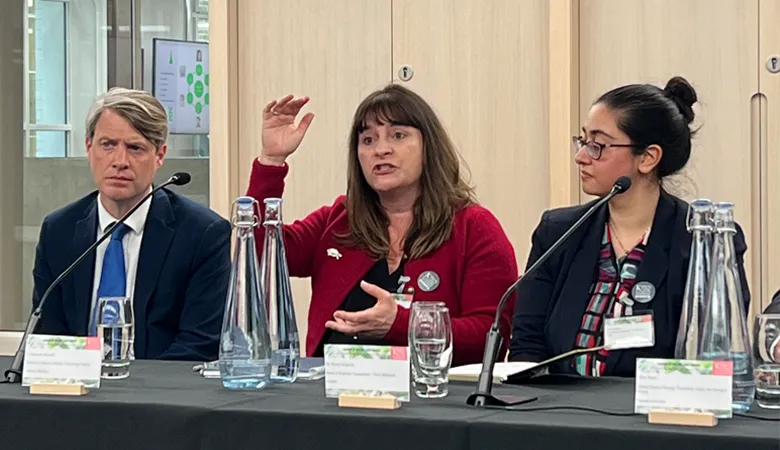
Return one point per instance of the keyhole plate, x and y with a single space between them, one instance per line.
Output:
773 64
405 73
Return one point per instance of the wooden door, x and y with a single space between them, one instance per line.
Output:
334 51
483 67
767 167
713 44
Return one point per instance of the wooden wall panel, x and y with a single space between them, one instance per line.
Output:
713 44
767 165
485 71
335 52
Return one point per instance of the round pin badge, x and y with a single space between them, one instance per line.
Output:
643 292
428 281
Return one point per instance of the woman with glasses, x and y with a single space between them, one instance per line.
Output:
629 258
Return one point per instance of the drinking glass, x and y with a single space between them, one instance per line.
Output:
766 352
115 329
430 343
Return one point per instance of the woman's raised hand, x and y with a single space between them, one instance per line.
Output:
281 137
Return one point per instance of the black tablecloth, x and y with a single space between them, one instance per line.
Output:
168 406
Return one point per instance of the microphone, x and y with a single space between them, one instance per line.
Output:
483 396
14 373
182 178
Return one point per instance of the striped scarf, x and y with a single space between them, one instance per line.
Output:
614 279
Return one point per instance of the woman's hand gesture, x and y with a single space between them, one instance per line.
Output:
281 137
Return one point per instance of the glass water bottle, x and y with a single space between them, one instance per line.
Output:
724 335
245 344
276 290
694 298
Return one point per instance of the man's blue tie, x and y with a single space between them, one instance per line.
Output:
113 277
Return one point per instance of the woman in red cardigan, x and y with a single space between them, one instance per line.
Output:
408 224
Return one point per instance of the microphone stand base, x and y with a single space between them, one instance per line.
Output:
12 377
485 400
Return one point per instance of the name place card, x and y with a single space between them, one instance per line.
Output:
67 360
367 370
683 386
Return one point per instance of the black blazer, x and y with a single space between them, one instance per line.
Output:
774 307
180 287
772 336
551 301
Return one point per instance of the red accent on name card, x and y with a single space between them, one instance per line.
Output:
93 343
722 368
398 353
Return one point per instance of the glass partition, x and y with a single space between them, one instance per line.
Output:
56 56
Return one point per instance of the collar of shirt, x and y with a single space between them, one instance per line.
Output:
136 221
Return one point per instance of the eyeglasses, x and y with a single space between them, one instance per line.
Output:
594 148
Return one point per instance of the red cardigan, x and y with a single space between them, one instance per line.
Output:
475 266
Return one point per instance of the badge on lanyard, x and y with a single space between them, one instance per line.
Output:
629 331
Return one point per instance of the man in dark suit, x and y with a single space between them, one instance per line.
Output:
171 258
773 342
774 307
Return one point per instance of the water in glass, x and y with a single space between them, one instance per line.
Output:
245 343
766 353
277 294
430 341
115 328
724 332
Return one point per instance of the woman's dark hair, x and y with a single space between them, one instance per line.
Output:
650 115
443 186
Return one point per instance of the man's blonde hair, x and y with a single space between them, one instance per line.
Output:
144 112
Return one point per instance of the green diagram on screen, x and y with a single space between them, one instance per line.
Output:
197 91
182 84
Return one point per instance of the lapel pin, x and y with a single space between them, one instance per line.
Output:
333 253
402 283
643 292
428 281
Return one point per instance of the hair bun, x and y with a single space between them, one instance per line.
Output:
683 94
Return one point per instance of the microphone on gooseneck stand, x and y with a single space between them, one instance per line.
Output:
14 373
483 396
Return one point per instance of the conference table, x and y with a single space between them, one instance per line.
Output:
165 405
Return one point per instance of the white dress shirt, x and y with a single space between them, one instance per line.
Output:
131 244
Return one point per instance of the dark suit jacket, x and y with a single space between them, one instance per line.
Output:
551 301
181 282
774 307
772 337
